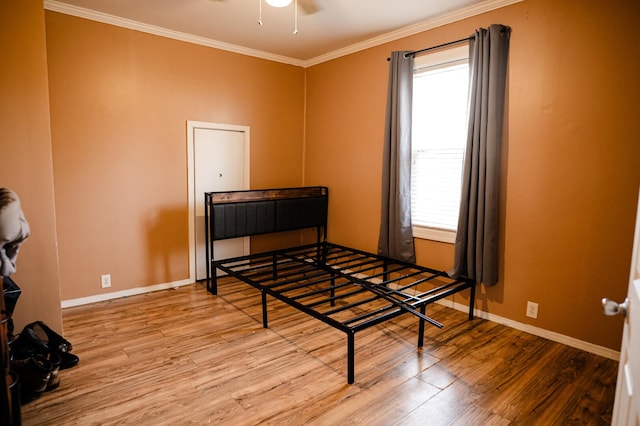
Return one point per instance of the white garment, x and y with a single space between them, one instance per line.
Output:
14 229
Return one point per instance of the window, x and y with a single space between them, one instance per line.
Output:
439 134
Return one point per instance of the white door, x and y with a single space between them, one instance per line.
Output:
626 409
218 161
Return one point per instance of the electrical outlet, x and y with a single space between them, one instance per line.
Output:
106 280
532 310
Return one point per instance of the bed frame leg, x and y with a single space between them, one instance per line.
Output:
212 282
421 327
265 323
350 357
472 300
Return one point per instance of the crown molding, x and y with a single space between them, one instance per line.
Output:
105 18
430 24
445 19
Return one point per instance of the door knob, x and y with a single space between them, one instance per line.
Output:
611 307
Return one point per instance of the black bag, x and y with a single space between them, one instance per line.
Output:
35 364
37 356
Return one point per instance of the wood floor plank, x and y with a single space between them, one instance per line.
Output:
183 356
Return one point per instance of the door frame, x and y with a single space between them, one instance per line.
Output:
191 127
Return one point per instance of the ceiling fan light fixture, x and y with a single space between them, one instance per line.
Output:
278 3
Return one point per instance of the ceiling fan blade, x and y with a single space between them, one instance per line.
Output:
308 6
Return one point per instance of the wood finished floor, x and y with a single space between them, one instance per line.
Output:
183 356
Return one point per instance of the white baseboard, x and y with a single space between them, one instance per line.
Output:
123 293
537 331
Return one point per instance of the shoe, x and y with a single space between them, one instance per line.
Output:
68 360
34 374
54 379
29 348
55 343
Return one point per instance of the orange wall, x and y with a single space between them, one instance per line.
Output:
25 151
571 177
120 100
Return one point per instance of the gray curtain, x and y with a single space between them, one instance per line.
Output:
396 238
476 246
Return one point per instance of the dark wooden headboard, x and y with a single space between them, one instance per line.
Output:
233 214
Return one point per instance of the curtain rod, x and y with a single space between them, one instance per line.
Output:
416 52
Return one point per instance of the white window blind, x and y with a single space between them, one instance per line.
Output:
436 177
438 141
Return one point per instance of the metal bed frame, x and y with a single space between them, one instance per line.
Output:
348 289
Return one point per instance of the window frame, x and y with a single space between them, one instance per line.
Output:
435 59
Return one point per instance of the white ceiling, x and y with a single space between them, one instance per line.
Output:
338 25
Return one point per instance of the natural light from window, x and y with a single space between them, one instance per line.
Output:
438 141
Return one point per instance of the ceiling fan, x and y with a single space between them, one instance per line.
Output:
308 6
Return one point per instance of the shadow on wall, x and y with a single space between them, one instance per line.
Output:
167 245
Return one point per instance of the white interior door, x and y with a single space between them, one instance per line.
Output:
626 410
219 161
